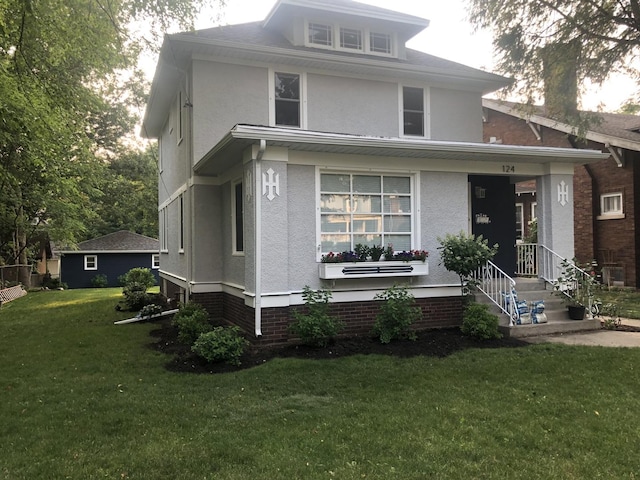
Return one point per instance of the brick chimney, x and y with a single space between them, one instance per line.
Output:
560 65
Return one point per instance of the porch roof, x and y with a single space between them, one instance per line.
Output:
228 150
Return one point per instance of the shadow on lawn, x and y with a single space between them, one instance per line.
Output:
432 343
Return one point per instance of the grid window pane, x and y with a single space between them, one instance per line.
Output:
336 243
397 204
397 185
334 183
366 183
397 223
399 242
320 34
367 204
350 38
367 223
370 240
380 42
335 203
335 223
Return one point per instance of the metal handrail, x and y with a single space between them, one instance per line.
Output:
499 288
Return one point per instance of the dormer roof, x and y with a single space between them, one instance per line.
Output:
285 11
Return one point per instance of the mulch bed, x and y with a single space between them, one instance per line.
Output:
432 343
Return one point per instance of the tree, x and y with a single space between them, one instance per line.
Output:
127 195
603 36
64 107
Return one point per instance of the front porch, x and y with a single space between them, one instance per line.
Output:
538 270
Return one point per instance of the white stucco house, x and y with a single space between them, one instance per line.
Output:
315 130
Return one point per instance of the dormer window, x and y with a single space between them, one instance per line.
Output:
380 42
350 39
320 34
346 38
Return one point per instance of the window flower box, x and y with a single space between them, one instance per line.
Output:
332 271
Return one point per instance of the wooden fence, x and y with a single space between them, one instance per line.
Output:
11 293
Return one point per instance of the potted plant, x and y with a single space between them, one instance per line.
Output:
575 287
376 252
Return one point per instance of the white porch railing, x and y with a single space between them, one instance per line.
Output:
499 288
527 259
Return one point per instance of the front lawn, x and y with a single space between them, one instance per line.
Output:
83 399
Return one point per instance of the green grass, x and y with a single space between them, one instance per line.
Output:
83 399
627 299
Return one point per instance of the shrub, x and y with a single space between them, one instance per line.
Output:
100 281
192 321
479 322
222 344
397 313
140 276
464 254
135 297
53 283
316 327
149 310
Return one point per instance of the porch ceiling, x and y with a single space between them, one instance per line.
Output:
230 148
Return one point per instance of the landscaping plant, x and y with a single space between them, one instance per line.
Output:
192 321
316 327
479 322
398 312
135 283
464 254
222 344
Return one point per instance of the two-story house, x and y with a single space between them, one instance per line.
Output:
317 130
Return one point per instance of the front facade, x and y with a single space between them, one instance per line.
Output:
606 193
318 130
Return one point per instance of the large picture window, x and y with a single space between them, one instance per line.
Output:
367 209
287 99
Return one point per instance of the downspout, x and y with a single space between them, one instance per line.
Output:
258 240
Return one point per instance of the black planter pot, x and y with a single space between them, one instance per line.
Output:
576 312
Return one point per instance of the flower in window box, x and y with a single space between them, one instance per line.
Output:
419 255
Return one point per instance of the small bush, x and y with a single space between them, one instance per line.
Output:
192 321
397 313
149 310
140 276
479 322
222 344
52 283
316 327
135 297
100 281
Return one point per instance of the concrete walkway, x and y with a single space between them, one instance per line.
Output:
602 338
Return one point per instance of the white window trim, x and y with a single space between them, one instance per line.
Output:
533 215
234 233
95 262
155 261
613 214
426 95
164 230
303 96
366 39
414 177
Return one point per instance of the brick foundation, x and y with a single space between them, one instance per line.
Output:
358 317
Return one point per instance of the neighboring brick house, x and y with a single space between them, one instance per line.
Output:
317 130
606 193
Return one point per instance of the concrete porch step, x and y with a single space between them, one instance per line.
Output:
533 289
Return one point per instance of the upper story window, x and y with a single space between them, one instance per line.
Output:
380 42
287 99
320 34
346 37
371 209
413 111
350 39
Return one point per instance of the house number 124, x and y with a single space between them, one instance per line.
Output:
509 168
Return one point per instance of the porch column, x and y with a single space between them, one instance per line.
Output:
555 211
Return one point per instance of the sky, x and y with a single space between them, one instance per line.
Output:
449 36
